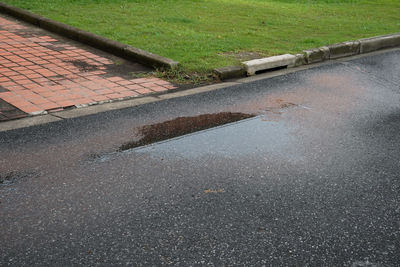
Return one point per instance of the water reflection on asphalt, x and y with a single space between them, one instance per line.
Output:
250 136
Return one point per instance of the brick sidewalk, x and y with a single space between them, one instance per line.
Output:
41 73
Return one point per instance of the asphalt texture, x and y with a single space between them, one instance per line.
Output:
311 180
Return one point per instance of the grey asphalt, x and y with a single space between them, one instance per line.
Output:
312 180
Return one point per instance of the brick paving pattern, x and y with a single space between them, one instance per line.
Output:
40 74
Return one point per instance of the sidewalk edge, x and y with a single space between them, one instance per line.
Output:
99 42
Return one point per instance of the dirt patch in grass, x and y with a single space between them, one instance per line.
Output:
243 55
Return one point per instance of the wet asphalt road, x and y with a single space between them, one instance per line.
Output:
312 180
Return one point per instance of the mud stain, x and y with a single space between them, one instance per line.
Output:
278 105
9 112
6 178
83 65
181 126
96 157
2 89
274 112
56 47
125 69
58 77
270 107
117 68
21 31
273 103
320 93
14 176
214 191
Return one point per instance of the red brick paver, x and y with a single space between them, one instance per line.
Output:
40 73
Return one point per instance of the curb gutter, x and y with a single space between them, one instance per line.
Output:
106 107
255 65
380 42
99 42
310 56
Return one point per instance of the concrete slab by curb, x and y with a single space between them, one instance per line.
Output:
230 72
27 122
252 66
74 113
99 42
197 90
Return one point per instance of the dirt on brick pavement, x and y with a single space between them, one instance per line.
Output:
42 72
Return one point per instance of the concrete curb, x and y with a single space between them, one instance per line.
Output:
380 42
344 49
312 56
99 42
317 54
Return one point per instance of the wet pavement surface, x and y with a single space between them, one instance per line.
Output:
41 72
311 180
157 132
9 112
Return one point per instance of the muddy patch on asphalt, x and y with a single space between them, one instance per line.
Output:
12 177
180 126
97 157
279 105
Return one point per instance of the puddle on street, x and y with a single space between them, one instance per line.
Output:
248 137
181 126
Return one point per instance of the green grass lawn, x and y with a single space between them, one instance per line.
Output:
205 34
